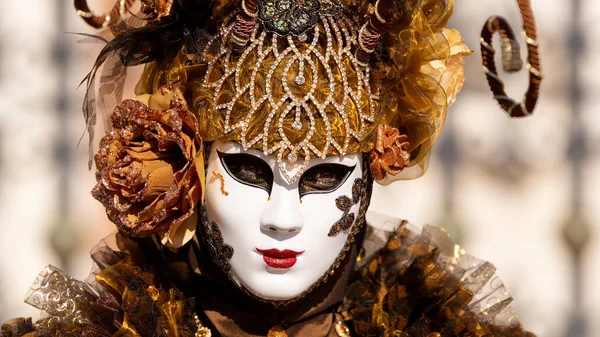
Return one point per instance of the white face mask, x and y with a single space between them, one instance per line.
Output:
284 237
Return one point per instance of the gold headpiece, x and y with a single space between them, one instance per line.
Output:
296 96
297 79
301 79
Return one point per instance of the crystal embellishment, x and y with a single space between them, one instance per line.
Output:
277 65
292 157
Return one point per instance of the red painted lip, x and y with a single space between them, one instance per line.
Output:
276 258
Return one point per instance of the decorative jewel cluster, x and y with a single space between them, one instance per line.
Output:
302 61
294 16
285 16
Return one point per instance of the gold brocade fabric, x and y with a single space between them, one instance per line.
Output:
414 84
126 298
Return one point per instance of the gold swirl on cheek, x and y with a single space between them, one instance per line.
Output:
219 176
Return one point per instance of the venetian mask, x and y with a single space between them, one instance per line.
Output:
301 114
275 239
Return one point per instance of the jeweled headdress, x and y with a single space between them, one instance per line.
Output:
302 79
310 78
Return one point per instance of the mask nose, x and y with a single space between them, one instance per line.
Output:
282 216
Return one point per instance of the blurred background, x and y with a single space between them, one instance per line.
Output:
520 193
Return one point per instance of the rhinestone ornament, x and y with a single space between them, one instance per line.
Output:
326 53
300 80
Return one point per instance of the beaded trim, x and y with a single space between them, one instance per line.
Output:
219 177
302 57
247 11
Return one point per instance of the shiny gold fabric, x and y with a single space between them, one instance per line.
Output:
415 101
422 285
126 298
18 327
418 80
150 169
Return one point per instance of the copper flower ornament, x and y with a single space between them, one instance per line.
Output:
150 170
390 155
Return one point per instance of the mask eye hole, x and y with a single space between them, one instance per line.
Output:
324 178
248 170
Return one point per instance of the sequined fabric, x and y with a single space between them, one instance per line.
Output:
294 16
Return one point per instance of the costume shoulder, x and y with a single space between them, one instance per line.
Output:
420 284
124 296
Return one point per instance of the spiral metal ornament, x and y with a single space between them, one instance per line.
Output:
512 60
102 21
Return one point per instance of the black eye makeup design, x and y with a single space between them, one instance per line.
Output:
248 170
324 178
